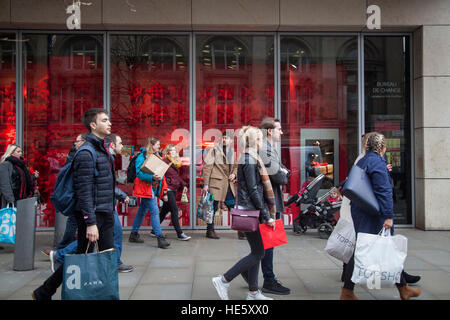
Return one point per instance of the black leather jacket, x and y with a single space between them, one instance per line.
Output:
250 188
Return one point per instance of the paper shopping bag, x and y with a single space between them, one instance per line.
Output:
91 276
273 238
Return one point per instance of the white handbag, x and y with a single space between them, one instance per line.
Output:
379 259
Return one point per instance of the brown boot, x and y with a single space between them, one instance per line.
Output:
347 294
406 292
210 233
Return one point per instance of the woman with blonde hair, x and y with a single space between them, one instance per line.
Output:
254 193
148 187
16 181
377 171
174 184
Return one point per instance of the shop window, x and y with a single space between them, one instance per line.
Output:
235 87
319 110
7 90
62 78
388 111
150 97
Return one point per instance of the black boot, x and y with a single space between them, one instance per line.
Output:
134 237
162 242
410 278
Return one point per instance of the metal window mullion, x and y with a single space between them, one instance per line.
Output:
19 89
192 131
106 73
361 105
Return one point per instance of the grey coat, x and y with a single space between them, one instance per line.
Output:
278 178
6 190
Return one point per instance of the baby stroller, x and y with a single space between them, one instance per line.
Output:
319 213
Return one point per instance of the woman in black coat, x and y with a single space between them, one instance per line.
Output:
366 223
16 182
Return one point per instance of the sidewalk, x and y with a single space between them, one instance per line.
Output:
184 271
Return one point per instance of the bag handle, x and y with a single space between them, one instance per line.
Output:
89 244
10 205
385 232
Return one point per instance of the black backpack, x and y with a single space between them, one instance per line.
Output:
131 170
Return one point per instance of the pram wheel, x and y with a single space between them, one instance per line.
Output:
325 230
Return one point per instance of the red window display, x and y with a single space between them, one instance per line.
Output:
319 108
62 78
150 97
7 91
234 87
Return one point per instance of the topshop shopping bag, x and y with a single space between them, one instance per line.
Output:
273 238
379 259
341 242
8 224
91 276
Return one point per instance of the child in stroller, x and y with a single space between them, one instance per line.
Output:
320 210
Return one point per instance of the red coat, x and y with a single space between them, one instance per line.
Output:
143 189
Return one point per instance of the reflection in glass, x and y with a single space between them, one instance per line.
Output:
62 78
150 97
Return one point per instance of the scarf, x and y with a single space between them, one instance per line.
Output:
176 162
26 183
269 196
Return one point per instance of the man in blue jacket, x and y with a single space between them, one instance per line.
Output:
94 194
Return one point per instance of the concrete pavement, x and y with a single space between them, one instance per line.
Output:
184 271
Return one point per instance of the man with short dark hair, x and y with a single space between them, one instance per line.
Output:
278 175
94 194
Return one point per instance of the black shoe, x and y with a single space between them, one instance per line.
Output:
35 295
211 234
411 279
162 242
275 288
241 235
134 237
124 268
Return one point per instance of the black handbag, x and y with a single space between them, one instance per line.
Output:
358 189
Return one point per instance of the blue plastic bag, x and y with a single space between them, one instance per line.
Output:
8 224
91 276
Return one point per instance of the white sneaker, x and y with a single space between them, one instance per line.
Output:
221 287
257 296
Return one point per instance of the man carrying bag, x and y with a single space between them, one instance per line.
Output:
94 194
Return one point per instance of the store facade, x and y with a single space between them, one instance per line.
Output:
188 85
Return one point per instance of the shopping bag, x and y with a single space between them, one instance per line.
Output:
273 238
155 165
205 209
379 259
184 198
341 242
8 224
91 276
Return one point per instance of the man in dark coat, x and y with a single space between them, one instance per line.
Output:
94 194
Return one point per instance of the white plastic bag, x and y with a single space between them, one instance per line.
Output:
341 242
379 259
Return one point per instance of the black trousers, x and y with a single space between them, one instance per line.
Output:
105 225
171 206
249 265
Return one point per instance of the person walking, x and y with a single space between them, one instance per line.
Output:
255 193
94 195
174 184
219 175
16 181
379 176
149 187
278 175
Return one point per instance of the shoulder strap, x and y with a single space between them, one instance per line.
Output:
93 153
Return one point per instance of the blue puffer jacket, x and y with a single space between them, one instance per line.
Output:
382 188
94 194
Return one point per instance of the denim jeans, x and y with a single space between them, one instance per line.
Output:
69 233
71 248
148 204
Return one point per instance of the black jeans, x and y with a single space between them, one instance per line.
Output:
249 264
348 272
69 233
105 225
267 263
171 206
